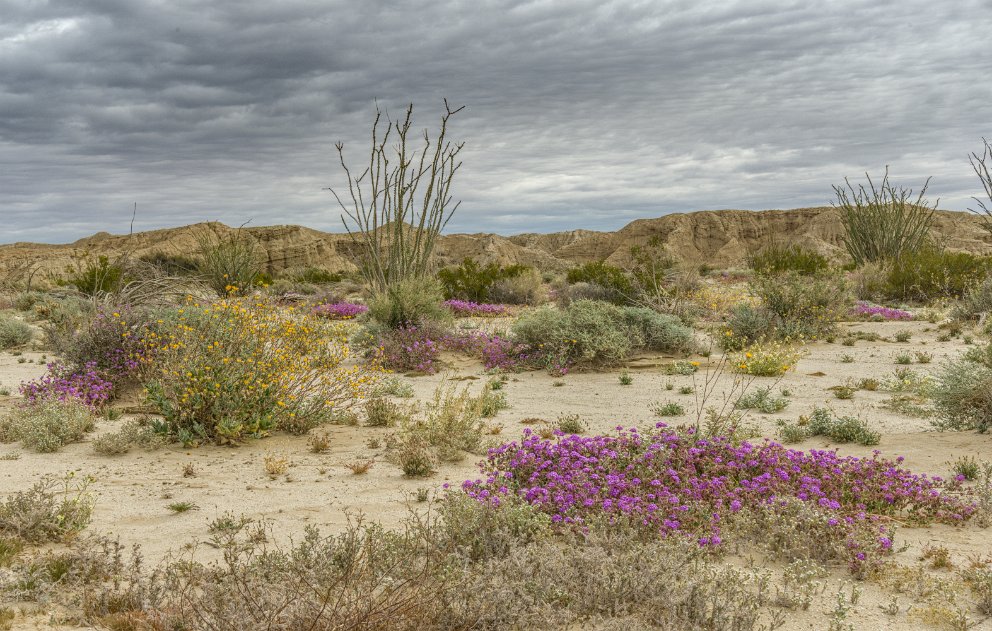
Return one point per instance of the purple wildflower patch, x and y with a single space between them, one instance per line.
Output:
678 484
464 308
63 384
867 310
340 310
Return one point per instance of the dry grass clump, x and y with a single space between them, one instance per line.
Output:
465 566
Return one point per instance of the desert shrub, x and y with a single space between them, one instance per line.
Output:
13 332
803 306
842 429
449 426
48 425
95 276
766 359
26 300
616 285
976 302
171 264
962 395
51 510
524 288
659 331
313 275
868 282
409 302
114 340
777 259
746 325
761 399
930 273
133 433
883 223
232 264
410 348
473 282
239 367
591 332
380 412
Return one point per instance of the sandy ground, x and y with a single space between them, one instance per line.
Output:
133 491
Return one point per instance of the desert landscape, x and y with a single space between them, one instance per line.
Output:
217 428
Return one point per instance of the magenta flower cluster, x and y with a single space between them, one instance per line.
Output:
409 348
678 484
63 384
464 308
340 310
867 310
495 351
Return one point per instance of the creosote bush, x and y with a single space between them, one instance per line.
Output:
409 302
931 273
778 258
474 282
230 264
616 285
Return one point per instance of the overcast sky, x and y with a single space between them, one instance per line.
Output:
579 114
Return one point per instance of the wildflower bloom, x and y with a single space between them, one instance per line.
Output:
679 484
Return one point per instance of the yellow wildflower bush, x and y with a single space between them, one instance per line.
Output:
766 359
242 367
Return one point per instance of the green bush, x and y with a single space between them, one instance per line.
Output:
411 301
747 325
523 289
930 273
313 275
778 259
803 306
13 332
614 281
976 302
593 332
48 425
95 276
842 429
171 264
470 281
231 264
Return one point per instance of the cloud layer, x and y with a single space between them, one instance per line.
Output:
579 113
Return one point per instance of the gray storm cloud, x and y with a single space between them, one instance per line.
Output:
579 113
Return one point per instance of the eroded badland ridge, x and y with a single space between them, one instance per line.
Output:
719 238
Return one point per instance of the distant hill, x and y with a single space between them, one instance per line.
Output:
720 238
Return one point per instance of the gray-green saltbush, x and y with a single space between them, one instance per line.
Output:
13 332
962 396
48 425
589 332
